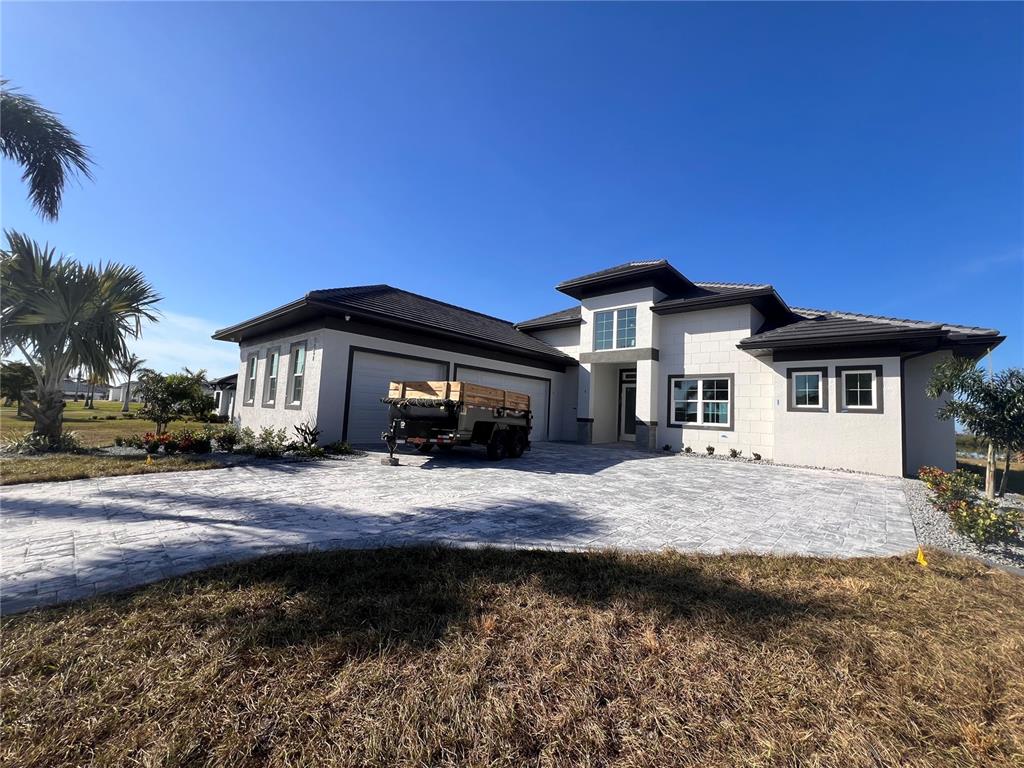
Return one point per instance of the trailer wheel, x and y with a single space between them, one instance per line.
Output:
497 447
516 444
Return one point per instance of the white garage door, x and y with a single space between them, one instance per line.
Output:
537 390
367 416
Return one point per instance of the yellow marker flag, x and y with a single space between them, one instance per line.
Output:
149 463
920 558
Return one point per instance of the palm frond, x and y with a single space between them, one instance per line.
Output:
48 151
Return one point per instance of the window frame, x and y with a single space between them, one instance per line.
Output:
791 374
271 402
842 372
289 403
251 377
614 312
700 378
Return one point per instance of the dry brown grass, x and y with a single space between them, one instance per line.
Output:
51 467
451 657
93 432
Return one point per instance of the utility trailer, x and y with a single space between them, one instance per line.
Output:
449 413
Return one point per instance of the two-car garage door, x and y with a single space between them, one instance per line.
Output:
366 416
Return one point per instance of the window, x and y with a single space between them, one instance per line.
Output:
615 329
807 389
604 330
625 332
216 400
703 402
859 389
250 379
270 380
297 371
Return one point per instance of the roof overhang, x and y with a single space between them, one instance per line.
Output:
308 308
662 276
765 300
567 322
899 341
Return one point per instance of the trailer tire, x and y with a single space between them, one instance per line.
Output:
497 446
516 444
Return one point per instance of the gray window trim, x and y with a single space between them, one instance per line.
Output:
841 388
267 403
790 375
731 427
289 404
250 397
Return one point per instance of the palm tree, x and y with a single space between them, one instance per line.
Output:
34 137
128 365
61 314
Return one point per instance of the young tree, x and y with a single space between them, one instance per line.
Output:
47 150
61 314
128 365
16 379
990 407
174 396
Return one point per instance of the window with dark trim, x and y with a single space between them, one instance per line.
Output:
270 376
807 389
860 388
296 373
703 402
250 379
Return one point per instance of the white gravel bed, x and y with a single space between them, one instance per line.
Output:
934 528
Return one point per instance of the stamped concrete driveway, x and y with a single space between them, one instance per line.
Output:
63 541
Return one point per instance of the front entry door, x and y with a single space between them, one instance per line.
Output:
627 411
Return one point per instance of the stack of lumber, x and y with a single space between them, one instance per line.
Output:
459 391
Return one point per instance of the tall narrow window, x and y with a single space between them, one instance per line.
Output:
715 398
270 382
625 331
250 379
685 402
604 330
297 366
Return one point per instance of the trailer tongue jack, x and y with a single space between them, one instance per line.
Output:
392 443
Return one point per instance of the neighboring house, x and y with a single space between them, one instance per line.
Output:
224 395
116 393
645 356
70 387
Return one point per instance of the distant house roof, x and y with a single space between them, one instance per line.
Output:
231 380
633 274
386 305
560 319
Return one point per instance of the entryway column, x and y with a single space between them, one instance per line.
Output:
647 405
584 406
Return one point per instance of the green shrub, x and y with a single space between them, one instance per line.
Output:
110 416
132 441
226 438
31 443
687 449
118 441
270 443
735 454
711 450
757 456
338 448
977 518
191 441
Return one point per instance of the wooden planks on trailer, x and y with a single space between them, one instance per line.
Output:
460 391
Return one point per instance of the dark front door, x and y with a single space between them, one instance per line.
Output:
627 415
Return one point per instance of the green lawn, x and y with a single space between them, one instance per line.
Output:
94 427
56 467
441 657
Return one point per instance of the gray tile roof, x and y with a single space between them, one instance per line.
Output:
569 316
384 301
964 329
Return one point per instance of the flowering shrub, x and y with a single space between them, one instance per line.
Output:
191 441
31 443
977 518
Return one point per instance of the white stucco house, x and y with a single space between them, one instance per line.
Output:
643 355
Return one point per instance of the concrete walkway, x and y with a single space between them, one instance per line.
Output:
64 541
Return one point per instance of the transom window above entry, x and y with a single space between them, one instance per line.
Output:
615 329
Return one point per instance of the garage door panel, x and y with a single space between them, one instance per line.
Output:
367 416
537 389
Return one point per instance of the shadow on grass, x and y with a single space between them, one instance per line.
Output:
364 600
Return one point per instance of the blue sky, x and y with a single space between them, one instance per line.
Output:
865 157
